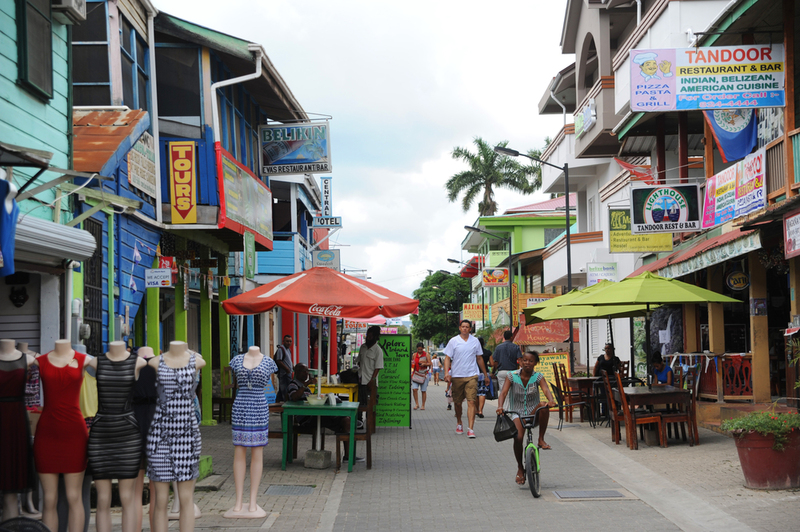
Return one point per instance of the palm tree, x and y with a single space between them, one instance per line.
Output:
489 170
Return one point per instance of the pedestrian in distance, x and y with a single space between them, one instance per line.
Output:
522 387
483 384
435 365
420 364
463 359
283 359
505 359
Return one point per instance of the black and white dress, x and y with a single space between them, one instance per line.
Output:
115 443
173 443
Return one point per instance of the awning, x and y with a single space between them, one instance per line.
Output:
472 268
556 331
704 254
42 242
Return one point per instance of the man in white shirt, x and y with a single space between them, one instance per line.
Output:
463 357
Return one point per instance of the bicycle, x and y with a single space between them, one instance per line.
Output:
530 453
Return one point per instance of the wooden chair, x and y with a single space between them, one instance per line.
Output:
615 415
225 401
624 368
559 396
369 410
693 381
573 398
645 418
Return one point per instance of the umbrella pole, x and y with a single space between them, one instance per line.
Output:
330 345
611 331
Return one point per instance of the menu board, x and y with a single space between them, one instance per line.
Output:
394 382
247 200
545 365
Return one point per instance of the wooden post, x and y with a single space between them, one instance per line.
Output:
181 312
661 148
154 316
690 337
206 348
683 146
788 111
224 320
708 149
759 339
716 326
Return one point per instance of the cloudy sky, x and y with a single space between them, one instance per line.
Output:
405 82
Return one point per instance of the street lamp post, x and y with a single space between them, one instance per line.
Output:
510 271
502 150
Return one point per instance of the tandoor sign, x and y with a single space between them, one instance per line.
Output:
182 182
620 239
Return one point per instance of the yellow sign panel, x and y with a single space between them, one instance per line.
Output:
475 311
620 239
182 182
545 365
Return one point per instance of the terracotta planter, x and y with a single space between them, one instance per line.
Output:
766 468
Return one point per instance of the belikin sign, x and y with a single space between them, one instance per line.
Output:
665 209
303 148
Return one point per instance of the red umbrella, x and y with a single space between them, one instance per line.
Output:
323 292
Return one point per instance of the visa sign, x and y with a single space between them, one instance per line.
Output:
182 182
158 278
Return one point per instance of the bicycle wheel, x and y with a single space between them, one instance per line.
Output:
532 469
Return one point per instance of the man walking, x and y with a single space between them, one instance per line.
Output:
463 358
506 358
283 358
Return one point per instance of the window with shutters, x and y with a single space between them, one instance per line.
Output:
91 75
93 290
35 47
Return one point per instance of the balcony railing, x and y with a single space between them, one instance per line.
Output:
776 168
735 377
795 136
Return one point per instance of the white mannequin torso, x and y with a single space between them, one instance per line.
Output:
63 355
8 353
178 357
117 352
253 357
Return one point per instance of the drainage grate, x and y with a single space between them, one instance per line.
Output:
589 494
279 489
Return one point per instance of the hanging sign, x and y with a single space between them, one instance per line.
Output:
791 234
620 239
295 149
182 182
665 209
494 277
326 258
325 220
716 77
249 255
142 165
736 191
245 202
158 278
737 280
600 271
474 311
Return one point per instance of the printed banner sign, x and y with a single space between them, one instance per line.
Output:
249 255
791 234
665 209
158 278
326 258
394 408
717 77
474 311
493 277
620 239
142 165
546 361
295 149
736 191
600 271
246 202
183 181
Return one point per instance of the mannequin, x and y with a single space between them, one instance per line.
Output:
16 471
144 406
250 423
173 443
61 435
115 447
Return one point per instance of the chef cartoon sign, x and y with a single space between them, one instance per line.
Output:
652 80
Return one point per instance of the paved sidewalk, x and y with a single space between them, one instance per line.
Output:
429 476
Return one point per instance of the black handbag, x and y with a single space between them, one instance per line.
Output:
504 428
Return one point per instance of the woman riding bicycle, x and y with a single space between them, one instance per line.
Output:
524 386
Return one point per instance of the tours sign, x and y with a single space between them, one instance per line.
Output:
620 239
717 77
301 148
182 181
665 209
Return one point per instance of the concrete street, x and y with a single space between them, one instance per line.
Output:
430 477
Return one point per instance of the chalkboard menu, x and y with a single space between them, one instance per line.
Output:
394 382
545 365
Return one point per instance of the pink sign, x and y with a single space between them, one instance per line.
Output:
653 80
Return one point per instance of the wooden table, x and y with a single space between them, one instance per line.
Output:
583 384
657 395
302 408
350 389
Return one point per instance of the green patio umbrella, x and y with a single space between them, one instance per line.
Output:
649 289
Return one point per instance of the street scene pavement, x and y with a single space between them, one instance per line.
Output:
428 476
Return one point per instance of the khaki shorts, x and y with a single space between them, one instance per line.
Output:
464 387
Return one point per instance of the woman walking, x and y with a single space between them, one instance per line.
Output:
419 375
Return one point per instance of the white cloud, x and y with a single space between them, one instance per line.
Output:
406 82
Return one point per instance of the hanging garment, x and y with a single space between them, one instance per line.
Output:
16 456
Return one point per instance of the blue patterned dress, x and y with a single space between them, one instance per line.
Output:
250 413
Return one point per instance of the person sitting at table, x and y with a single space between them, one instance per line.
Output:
522 387
297 391
607 361
662 372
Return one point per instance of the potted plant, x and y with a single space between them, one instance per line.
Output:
769 448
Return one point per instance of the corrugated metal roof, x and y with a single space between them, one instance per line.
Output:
103 137
692 251
547 205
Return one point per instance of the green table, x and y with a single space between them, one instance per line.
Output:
302 408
